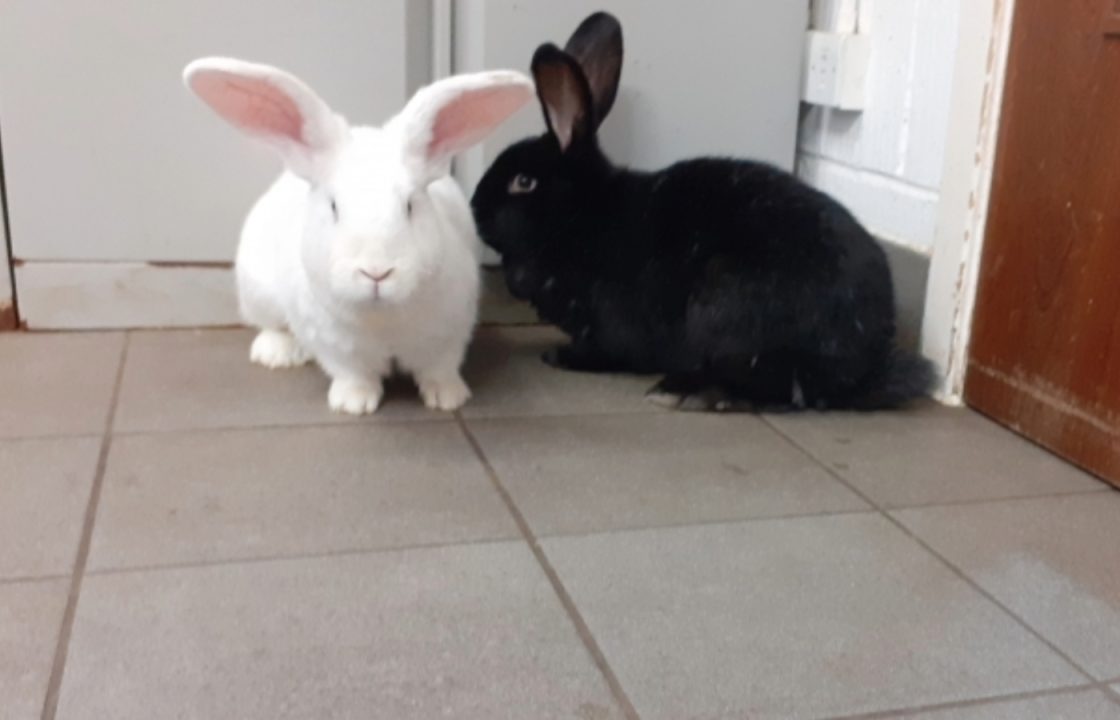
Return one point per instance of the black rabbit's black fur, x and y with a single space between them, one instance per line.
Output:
745 287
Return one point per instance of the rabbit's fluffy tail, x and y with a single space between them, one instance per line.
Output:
906 377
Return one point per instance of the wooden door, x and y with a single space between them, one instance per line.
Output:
1045 352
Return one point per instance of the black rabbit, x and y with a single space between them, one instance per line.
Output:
745 287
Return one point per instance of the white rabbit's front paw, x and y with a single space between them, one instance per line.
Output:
277 349
354 397
446 394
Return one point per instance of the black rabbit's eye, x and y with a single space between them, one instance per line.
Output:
334 210
522 184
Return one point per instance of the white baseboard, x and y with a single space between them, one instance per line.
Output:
70 296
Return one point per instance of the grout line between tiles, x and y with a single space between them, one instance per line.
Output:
356 551
54 685
296 557
31 579
380 421
607 532
960 704
995 500
49 437
409 547
944 560
569 605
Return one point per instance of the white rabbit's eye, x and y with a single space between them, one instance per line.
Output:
408 207
334 209
522 184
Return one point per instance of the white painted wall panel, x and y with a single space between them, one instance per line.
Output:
889 156
938 21
109 158
895 211
876 138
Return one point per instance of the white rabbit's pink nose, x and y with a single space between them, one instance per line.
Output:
377 275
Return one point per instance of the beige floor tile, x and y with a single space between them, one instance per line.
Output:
790 618
57 384
30 618
209 496
1053 561
1077 705
469 632
44 491
203 379
505 370
931 454
574 475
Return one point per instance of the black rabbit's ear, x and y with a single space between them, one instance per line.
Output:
564 95
597 46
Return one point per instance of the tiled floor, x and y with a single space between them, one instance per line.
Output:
183 535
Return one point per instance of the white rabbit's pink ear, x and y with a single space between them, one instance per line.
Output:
451 115
269 104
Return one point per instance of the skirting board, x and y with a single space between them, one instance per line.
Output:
85 296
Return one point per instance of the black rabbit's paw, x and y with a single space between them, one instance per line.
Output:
686 395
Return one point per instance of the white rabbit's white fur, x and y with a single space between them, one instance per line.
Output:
363 254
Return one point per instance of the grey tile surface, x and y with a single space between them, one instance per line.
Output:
30 617
498 307
470 632
792 618
44 491
931 454
259 493
574 475
509 378
248 553
56 384
1078 705
1053 561
192 379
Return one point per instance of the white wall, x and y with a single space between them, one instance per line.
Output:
125 194
885 163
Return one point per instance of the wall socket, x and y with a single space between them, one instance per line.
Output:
835 69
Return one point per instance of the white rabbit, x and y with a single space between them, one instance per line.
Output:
363 254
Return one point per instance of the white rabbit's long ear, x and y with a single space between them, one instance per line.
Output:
453 114
269 104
